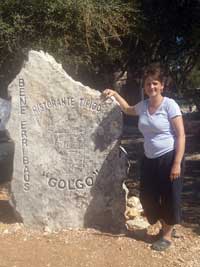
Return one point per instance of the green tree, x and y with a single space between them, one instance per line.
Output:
193 86
170 33
84 35
95 38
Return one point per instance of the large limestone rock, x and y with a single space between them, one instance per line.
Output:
67 168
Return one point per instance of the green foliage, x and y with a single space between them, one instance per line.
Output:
170 34
93 38
194 77
82 34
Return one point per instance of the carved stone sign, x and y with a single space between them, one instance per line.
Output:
67 167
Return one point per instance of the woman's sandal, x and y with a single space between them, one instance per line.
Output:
161 244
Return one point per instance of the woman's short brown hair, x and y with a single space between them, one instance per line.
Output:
156 70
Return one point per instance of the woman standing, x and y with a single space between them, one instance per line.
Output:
160 122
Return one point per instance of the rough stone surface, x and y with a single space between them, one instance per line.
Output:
67 168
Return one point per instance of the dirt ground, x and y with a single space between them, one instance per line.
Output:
21 247
89 248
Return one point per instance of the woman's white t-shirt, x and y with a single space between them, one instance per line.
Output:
159 136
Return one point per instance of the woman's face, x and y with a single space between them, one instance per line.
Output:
153 87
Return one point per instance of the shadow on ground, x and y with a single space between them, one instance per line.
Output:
7 214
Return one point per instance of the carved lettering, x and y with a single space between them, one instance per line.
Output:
22 96
52 103
89 104
71 184
24 136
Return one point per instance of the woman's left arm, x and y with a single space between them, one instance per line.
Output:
177 123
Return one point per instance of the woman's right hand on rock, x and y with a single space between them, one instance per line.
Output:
107 93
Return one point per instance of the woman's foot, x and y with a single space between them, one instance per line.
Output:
160 234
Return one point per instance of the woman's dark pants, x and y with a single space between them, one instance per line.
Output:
160 197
